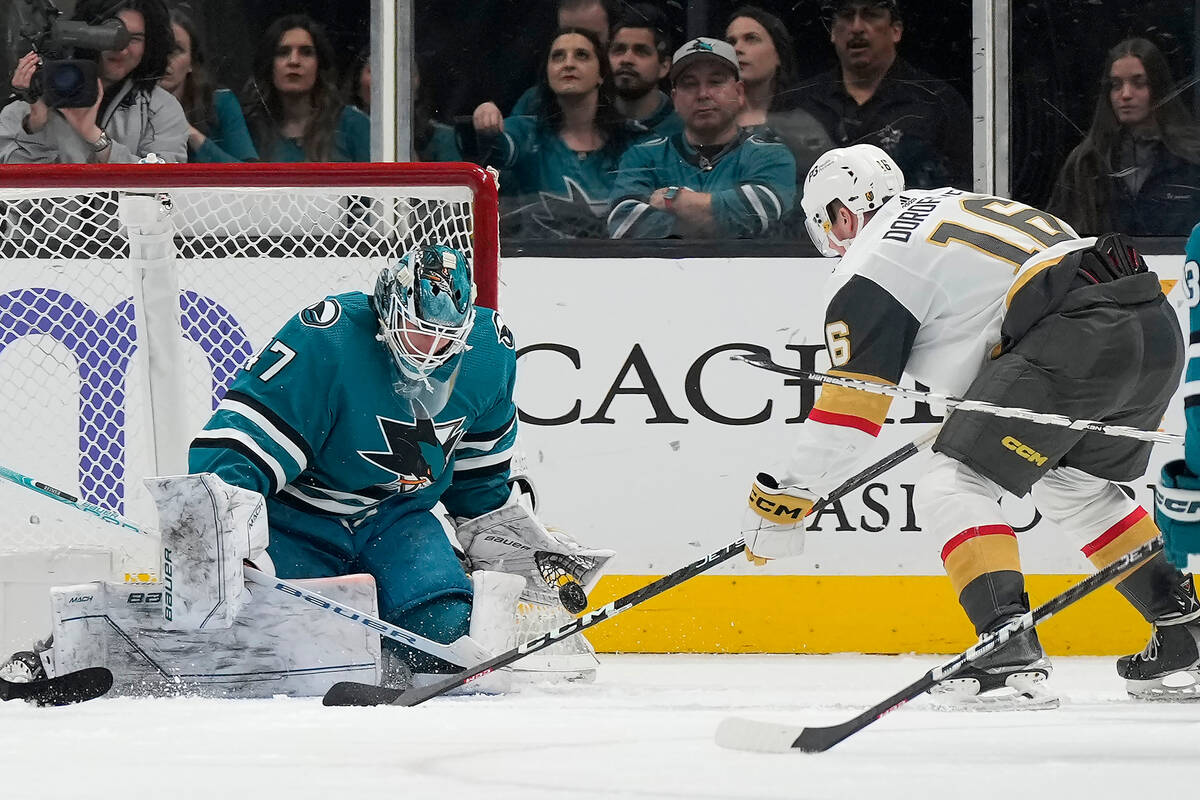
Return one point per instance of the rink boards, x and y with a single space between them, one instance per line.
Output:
642 435
639 431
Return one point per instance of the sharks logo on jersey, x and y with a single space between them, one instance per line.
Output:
322 314
504 334
417 452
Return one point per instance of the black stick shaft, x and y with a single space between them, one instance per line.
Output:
416 696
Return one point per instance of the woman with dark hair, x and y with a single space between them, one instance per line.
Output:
564 158
292 103
216 128
767 58
131 118
1138 169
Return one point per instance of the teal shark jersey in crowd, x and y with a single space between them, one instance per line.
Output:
1191 375
752 181
561 193
322 421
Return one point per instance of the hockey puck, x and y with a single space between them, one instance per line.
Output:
572 597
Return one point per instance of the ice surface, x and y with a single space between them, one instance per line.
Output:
643 730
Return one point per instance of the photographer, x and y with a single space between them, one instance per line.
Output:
131 117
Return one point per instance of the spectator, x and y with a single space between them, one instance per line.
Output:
714 179
588 15
216 128
356 87
767 57
640 57
293 106
432 140
1138 169
564 159
131 118
876 97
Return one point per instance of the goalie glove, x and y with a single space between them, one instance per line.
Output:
1177 512
773 525
511 539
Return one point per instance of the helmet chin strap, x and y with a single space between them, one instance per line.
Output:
845 243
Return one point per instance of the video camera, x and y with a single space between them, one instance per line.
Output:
63 80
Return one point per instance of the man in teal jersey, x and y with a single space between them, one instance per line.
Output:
713 179
1177 499
360 415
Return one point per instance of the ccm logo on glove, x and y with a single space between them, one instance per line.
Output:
776 505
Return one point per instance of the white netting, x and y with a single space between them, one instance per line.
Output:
73 384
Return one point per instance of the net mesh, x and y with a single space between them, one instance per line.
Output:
77 413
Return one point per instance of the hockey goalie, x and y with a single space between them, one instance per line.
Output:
325 464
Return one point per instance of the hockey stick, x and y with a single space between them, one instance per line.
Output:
461 652
737 733
763 361
61 690
350 693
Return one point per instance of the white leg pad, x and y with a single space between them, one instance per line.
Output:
275 646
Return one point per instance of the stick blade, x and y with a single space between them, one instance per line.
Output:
737 733
349 693
74 687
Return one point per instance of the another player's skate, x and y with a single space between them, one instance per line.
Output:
1009 678
1169 667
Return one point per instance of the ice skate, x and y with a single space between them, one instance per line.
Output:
22 667
1169 667
1010 678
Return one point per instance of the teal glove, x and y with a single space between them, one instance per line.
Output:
1177 512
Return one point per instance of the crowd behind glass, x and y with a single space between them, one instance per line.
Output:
631 129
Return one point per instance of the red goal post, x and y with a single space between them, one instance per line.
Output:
130 294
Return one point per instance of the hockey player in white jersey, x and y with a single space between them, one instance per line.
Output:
993 300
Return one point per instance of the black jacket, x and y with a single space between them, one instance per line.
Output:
920 120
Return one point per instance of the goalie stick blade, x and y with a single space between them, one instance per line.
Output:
736 733
74 687
349 693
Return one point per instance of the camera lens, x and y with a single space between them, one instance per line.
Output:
67 79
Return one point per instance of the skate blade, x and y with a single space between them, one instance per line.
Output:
1177 687
1022 692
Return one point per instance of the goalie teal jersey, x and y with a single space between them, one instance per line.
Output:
1191 375
321 419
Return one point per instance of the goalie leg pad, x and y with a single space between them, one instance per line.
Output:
208 527
275 646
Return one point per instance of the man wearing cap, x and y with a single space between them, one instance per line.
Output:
875 97
713 179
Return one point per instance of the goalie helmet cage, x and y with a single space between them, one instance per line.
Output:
132 293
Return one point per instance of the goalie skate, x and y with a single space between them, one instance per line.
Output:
1011 678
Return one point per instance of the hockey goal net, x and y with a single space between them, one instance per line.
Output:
131 294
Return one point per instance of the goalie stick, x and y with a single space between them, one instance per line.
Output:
61 690
461 652
350 693
763 361
737 733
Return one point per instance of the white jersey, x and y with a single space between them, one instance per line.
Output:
922 290
949 258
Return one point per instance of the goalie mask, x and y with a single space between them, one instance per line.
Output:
863 177
425 309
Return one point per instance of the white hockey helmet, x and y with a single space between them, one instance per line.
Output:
863 177
425 308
